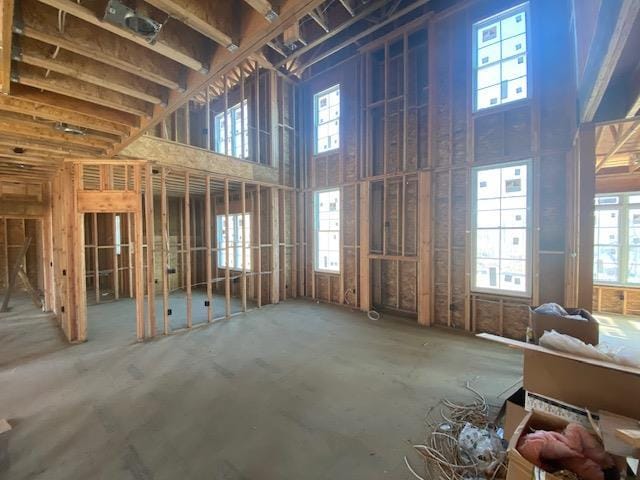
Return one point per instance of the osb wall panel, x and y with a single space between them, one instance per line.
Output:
516 320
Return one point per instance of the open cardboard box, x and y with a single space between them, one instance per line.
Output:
588 330
520 468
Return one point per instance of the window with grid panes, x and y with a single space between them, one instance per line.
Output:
500 58
236 241
236 129
616 239
327 119
327 224
501 223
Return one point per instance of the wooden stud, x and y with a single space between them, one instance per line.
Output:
227 272
150 227
258 223
138 253
245 242
164 214
186 248
275 245
96 262
207 226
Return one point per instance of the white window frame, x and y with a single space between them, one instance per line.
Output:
316 124
524 8
623 208
235 248
529 228
316 230
231 144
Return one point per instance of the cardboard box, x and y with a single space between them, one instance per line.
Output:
514 412
518 467
583 382
588 330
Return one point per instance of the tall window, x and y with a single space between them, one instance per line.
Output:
236 241
616 254
327 119
327 219
236 129
500 58
501 228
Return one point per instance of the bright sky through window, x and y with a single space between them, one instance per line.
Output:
327 213
327 119
236 241
500 58
237 127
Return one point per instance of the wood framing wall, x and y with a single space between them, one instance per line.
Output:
409 141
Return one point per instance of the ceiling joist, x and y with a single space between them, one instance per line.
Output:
175 45
40 22
69 86
67 63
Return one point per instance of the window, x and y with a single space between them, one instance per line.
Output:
327 119
237 127
327 216
501 228
500 58
117 234
236 241
616 239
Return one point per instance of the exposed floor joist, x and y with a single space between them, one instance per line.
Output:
179 46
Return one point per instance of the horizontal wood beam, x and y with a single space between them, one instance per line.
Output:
18 208
51 106
11 126
169 43
111 201
50 57
214 20
263 7
614 26
33 145
40 22
69 86
254 33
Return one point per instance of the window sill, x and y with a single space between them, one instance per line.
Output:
501 108
502 294
327 272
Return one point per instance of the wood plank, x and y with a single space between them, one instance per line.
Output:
424 249
150 228
138 253
227 252
263 7
164 212
614 26
36 131
207 226
45 56
214 20
41 23
187 247
274 209
245 243
69 86
365 276
106 202
62 108
6 22
176 46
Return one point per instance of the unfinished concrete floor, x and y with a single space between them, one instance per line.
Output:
292 391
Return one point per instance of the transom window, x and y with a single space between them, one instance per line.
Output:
236 241
500 58
501 228
327 119
616 254
230 141
327 225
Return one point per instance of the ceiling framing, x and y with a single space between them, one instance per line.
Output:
63 66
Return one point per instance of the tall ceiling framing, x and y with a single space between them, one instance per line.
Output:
73 83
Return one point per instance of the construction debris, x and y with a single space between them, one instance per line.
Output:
461 443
